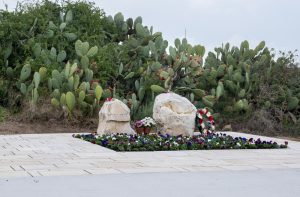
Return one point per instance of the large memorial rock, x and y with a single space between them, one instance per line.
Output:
175 114
114 117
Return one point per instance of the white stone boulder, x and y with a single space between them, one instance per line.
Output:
114 117
175 114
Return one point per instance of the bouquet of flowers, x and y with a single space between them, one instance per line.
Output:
146 122
144 126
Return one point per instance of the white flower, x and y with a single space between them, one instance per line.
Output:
148 122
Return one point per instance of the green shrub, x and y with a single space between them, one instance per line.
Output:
3 114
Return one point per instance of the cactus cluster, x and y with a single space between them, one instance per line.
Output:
235 77
141 58
183 66
65 19
69 87
228 75
73 85
226 83
48 57
64 60
52 32
84 51
26 86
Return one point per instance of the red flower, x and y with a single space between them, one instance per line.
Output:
200 112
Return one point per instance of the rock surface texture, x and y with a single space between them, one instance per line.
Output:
114 117
175 114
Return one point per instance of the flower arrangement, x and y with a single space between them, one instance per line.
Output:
160 142
146 122
144 126
208 126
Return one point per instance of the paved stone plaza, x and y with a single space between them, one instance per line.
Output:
35 155
246 183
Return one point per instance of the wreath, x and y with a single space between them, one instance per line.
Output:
205 126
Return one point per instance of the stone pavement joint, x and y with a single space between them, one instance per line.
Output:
35 155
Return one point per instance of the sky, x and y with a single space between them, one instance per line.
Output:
213 22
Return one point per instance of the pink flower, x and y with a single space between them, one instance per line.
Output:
138 123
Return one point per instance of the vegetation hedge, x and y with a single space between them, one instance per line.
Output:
63 59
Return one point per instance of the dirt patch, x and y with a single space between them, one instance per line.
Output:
44 120
17 127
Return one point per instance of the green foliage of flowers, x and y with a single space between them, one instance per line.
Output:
159 142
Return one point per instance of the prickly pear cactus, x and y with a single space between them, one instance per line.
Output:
25 72
70 101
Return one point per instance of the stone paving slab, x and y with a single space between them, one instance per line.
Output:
35 155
